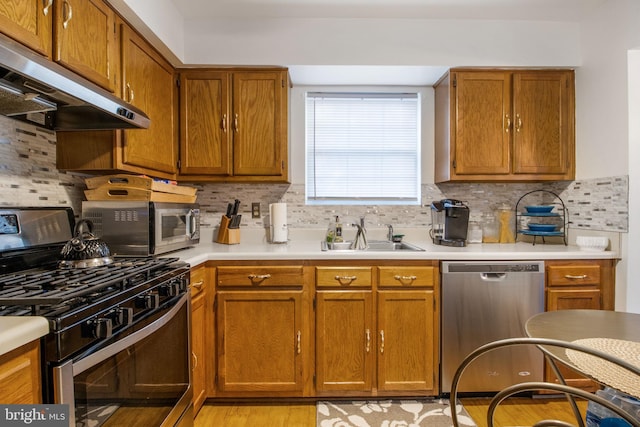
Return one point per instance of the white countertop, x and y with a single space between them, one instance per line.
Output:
16 331
306 245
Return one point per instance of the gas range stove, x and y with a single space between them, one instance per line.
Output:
84 306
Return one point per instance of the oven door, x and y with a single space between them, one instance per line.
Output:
141 379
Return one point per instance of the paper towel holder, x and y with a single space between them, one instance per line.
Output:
278 231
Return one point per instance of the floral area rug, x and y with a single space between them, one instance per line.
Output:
389 413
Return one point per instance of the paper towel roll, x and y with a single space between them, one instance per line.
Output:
278 215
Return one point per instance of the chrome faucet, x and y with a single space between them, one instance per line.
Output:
360 242
390 233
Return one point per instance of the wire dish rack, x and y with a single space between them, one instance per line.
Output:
542 220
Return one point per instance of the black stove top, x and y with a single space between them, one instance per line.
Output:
51 291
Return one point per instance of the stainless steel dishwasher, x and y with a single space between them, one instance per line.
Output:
484 302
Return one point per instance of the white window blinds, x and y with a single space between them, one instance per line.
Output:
363 148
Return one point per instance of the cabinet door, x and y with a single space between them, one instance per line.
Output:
198 335
20 379
406 340
85 39
148 83
29 22
345 341
481 119
205 128
259 126
259 341
543 123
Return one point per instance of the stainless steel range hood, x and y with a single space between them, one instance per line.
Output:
41 92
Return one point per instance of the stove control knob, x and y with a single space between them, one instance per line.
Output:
127 315
150 300
120 316
170 289
101 327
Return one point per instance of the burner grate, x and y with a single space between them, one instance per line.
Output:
73 286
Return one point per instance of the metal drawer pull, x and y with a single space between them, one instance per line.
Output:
405 278
47 6
198 285
381 341
367 334
299 335
345 280
259 277
68 14
570 276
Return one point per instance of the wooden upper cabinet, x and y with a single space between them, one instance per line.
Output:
505 125
257 123
543 140
29 22
233 125
482 103
205 145
85 40
148 83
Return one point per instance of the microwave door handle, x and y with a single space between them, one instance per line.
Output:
191 221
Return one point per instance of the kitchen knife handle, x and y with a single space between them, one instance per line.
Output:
46 6
67 13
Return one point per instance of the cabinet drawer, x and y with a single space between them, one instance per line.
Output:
260 276
569 275
406 276
197 281
353 277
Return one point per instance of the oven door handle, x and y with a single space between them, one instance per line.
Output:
63 387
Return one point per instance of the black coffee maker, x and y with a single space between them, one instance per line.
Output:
449 222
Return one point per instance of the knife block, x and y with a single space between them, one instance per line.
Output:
226 235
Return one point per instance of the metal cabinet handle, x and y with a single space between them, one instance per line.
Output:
577 277
298 339
367 335
345 280
508 127
258 277
130 93
518 122
224 123
46 5
67 14
381 341
409 279
195 361
235 123
198 285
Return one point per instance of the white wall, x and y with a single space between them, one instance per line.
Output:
605 144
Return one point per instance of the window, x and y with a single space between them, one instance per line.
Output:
363 148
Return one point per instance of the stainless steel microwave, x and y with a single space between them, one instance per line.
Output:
140 228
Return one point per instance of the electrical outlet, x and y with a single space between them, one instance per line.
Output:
255 210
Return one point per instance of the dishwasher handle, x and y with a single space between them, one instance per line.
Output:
493 277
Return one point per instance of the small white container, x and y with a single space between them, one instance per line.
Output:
475 233
592 243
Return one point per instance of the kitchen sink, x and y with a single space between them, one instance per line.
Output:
373 246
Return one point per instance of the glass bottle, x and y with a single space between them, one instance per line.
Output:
490 229
507 223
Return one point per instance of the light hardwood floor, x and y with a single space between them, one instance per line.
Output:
516 412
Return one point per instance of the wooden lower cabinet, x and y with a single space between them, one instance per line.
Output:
578 284
20 378
262 343
377 341
200 333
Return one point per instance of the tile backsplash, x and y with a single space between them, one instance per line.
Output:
30 178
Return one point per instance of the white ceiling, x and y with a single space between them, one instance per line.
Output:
529 10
